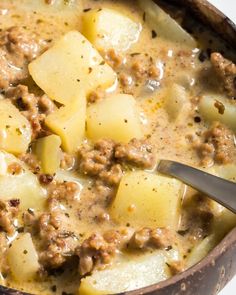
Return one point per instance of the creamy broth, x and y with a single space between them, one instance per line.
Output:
73 215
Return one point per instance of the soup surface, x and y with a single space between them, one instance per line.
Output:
93 95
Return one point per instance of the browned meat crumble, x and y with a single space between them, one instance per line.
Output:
106 158
57 244
15 168
160 238
99 250
34 108
67 161
17 49
137 152
31 161
8 212
133 70
217 145
226 71
95 251
92 161
62 191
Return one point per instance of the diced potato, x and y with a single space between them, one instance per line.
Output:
164 25
69 123
175 101
23 259
47 150
70 69
115 117
216 108
224 223
15 130
225 171
126 276
107 28
145 199
23 186
201 250
224 219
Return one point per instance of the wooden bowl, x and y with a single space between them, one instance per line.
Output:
211 274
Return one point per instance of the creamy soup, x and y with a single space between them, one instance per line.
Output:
93 95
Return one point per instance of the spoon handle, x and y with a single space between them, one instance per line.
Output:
218 189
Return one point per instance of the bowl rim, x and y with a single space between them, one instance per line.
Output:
227 32
209 14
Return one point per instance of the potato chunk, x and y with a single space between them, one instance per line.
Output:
115 117
23 258
216 108
164 25
23 186
47 150
126 276
224 219
227 171
69 123
175 101
71 68
201 250
15 130
224 223
145 199
107 28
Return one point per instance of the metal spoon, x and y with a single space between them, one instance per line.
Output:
218 189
